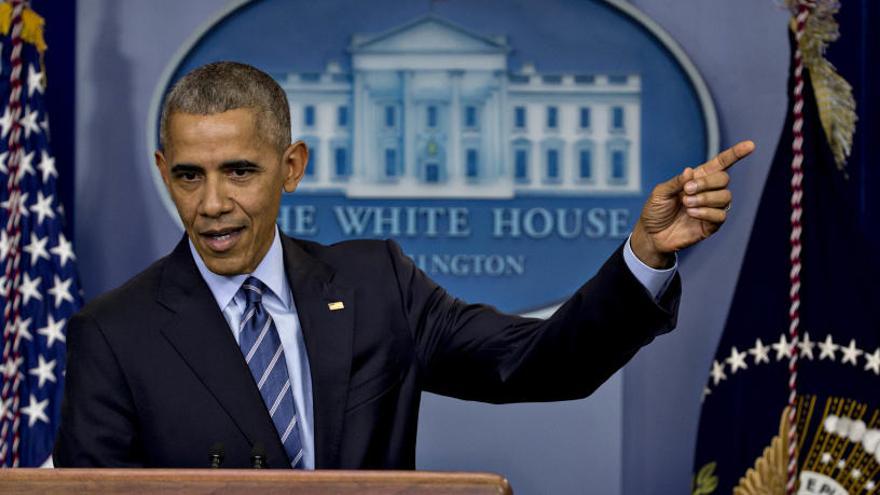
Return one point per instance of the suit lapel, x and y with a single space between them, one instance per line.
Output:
201 336
328 335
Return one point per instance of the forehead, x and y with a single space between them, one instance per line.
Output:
236 128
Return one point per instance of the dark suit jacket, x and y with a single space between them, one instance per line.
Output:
155 377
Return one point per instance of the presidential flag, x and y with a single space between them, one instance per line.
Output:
792 403
39 290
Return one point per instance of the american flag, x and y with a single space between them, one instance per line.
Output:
39 289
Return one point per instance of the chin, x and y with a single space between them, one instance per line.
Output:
225 269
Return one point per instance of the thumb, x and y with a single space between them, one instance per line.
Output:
674 186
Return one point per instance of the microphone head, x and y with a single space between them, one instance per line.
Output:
216 454
258 456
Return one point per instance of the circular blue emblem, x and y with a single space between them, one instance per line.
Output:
508 147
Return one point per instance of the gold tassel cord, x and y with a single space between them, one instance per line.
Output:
837 107
32 30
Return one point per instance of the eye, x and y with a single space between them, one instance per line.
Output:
187 176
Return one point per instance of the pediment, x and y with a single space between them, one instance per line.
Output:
428 35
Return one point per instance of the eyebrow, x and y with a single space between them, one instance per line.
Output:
238 164
225 166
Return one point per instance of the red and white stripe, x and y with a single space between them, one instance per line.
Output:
797 177
12 276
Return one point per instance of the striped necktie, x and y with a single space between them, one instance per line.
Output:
259 342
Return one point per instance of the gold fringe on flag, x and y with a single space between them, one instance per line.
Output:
837 107
31 32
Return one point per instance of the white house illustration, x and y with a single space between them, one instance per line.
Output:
430 109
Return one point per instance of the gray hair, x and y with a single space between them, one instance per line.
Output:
221 86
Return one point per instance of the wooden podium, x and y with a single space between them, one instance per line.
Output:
247 481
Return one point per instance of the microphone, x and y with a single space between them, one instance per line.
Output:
258 456
215 455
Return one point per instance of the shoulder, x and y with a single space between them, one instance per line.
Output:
354 259
133 300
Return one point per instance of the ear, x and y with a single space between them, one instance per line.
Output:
294 162
162 165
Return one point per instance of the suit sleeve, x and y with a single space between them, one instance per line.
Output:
97 428
474 352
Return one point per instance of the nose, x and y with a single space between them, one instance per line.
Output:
215 201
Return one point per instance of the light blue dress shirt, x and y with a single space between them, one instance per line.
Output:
655 281
280 304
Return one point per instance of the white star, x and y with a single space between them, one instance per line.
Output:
851 353
26 166
53 331
47 166
12 365
760 352
61 290
35 81
856 474
63 250
6 122
706 392
45 371
737 360
806 346
873 361
841 464
29 122
22 202
36 411
826 458
3 167
870 485
43 207
717 372
827 348
37 249
783 348
24 328
30 288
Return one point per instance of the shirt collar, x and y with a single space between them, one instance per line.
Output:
270 271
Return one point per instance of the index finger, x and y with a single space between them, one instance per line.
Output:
728 157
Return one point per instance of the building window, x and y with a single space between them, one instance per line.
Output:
390 116
309 116
470 117
552 117
521 165
552 164
432 117
432 172
312 165
390 162
472 165
585 118
585 164
341 166
617 122
618 165
519 117
342 116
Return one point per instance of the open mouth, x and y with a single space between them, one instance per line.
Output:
219 240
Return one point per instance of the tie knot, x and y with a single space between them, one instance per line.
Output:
253 290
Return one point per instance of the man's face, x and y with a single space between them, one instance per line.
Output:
226 181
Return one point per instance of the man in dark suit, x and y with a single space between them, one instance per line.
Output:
315 356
